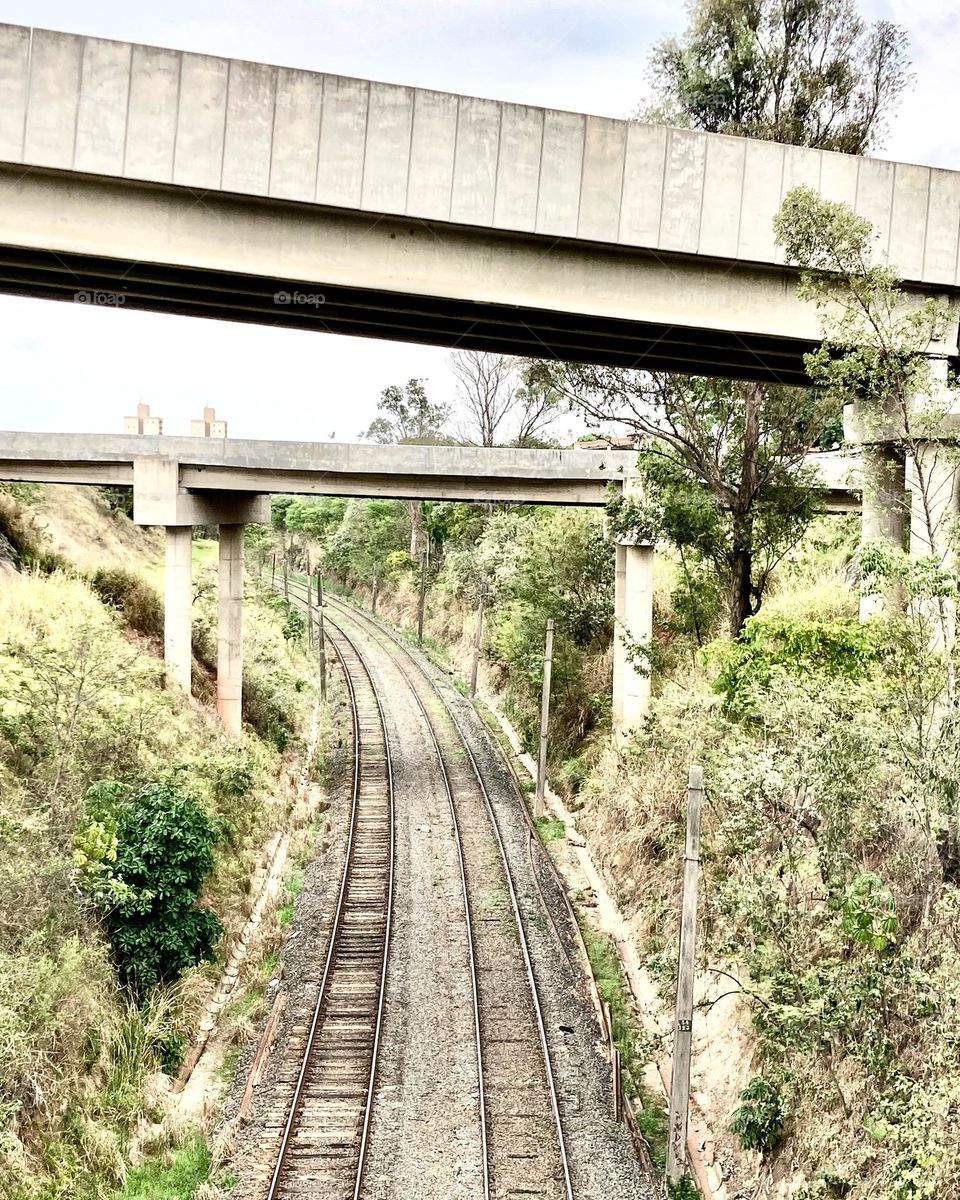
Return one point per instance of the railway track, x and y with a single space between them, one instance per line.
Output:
322 1137
522 1134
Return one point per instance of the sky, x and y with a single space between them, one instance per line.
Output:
71 367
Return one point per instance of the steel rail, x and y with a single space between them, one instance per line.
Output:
524 946
297 1096
466 906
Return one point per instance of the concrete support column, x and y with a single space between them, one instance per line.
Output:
884 512
633 606
619 644
230 628
177 607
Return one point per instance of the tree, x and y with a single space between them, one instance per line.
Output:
722 468
367 542
503 402
407 416
875 353
806 72
809 72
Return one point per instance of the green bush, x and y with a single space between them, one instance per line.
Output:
264 708
164 853
118 499
294 625
759 1120
773 647
132 597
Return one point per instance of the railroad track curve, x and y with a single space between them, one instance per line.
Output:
324 1136
521 1121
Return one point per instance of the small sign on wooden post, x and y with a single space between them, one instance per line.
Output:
683 1030
544 722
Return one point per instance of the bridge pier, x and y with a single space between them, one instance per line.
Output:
934 500
177 606
883 517
159 499
230 628
633 632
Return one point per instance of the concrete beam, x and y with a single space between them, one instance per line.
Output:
148 114
207 471
159 499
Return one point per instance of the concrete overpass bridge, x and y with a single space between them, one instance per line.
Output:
180 482
222 188
159 179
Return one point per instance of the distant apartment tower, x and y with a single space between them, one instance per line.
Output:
143 422
209 426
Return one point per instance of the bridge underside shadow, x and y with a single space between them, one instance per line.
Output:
169 249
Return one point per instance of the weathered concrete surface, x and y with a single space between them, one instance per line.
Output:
139 112
178 608
204 185
230 627
215 468
158 499
633 635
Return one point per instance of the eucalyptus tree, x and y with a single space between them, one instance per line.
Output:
725 457
806 72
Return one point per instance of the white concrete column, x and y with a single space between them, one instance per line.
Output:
631 700
619 645
884 512
177 607
230 628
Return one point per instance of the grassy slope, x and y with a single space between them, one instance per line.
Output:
812 789
81 700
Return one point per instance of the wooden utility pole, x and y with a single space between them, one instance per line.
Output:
544 722
309 609
423 597
683 1031
477 639
321 640
286 578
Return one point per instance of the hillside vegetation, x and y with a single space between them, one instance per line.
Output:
130 828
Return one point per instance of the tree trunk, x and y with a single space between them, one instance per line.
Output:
741 585
417 530
741 557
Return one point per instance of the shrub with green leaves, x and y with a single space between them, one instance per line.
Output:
132 596
759 1120
164 852
294 625
800 650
